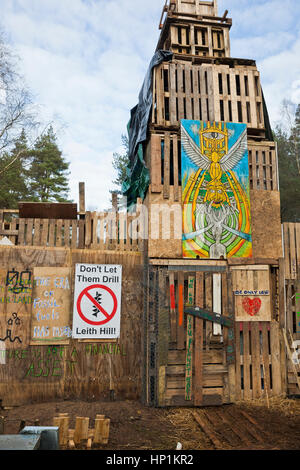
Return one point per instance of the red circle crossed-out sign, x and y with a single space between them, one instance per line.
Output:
86 293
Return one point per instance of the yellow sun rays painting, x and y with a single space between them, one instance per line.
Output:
215 190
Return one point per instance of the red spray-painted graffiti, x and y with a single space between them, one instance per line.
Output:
251 306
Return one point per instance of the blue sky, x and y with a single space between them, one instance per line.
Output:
85 61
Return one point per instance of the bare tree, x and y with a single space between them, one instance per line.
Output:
17 110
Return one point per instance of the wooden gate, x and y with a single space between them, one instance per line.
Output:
189 352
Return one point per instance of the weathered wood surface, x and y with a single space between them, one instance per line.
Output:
207 92
87 369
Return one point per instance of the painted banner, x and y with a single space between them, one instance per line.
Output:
51 304
215 190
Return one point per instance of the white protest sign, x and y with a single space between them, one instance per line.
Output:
97 301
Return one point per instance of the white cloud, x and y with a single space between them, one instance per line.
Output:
85 61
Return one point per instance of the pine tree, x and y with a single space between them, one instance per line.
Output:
48 173
13 182
288 145
295 138
120 163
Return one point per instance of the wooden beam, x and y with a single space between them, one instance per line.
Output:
209 316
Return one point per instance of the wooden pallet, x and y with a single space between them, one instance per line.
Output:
82 437
182 90
228 428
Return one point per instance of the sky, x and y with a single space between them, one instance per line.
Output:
85 62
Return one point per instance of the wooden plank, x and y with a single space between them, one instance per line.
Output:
293 265
74 234
209 316
44 234
286 250
81 431
160 95
275 358
238 388
255 360
180 93
177 357
36 232
266 358
180 323
173 320
198 380
208 430
173 111
21 236
62 422
188 91
28 239
189 342
208 306
175 169
58 238
52 223
166 190
156 176
101 435
246 361
88 229
217 302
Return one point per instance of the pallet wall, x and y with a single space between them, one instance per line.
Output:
96 231
207 92
71 368
195 362
166 164
258 367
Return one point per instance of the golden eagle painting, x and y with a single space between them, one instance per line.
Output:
215 190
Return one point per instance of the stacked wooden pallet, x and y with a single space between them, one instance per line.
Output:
183 90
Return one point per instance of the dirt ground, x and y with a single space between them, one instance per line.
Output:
245 426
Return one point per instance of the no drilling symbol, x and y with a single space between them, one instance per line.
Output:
86 294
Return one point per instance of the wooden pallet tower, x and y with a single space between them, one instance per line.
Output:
203 343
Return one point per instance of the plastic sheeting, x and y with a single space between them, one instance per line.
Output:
138 176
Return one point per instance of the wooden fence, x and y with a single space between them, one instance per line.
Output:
32 368
95 230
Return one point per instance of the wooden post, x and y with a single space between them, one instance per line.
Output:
189 342
81 197
198 380
62 421
101 434
81 431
